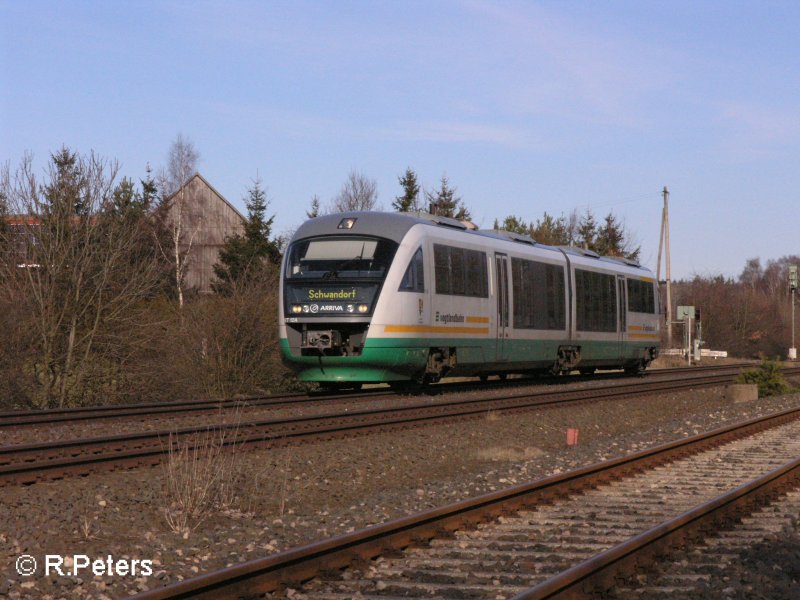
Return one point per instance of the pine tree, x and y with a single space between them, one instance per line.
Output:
408 201
313 212
551 231
611 240
516 225
244 255
149 190
65 193
445 203
587 231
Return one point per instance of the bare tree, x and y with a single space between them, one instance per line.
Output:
181 165
73 266
358 193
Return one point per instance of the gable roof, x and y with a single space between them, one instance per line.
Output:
211 187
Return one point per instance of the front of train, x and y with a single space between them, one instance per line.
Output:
332 279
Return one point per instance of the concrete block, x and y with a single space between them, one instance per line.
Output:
742 392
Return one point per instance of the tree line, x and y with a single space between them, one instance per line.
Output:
749 315
94 307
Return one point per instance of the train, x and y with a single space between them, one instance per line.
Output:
402 298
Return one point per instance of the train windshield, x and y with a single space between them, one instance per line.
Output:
332 258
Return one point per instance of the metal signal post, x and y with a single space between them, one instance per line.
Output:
793 288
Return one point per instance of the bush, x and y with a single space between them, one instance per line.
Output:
768 377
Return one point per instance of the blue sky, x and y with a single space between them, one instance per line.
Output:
527 107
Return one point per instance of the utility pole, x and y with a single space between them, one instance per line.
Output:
664 242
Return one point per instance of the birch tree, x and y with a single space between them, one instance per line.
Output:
181 165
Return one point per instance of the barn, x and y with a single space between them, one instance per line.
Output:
207 218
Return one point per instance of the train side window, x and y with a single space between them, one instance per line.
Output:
414 278
595 301
460 272
539 300
641 296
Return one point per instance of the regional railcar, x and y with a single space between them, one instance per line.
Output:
393 297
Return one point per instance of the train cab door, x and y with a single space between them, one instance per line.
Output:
622 303
502 295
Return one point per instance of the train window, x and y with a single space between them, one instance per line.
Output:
414 278
539 300
595 301
460 272
641 296
339 257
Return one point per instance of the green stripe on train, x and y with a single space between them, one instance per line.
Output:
398 359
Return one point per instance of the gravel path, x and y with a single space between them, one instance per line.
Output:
293 495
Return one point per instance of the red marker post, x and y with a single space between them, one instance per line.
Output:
572 437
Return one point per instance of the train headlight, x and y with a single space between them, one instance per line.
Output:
362 308
296 308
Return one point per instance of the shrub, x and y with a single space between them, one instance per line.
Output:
768 377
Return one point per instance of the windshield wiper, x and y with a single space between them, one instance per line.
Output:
334 273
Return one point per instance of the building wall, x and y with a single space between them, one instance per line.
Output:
207 220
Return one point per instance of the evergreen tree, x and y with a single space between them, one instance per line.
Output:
408 201
611 240
587 231
515 225
550 231
125 200
313 212
445 203
150 196
130 209
66 192
243 255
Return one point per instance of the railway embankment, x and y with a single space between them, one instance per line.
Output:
293 495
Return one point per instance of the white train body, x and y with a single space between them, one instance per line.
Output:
369 297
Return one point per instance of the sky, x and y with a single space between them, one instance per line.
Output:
526 107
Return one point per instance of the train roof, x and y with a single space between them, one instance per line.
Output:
395 226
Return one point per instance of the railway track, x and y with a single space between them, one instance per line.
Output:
16 419
564 536
29 463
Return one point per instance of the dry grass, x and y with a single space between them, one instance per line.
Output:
211 473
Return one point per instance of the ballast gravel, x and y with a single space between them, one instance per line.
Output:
289 496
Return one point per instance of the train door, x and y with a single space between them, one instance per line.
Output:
501 292
622 302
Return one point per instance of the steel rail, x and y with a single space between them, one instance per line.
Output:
29 463
294 566
597 575
15 419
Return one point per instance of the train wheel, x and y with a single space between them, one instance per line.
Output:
637 369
